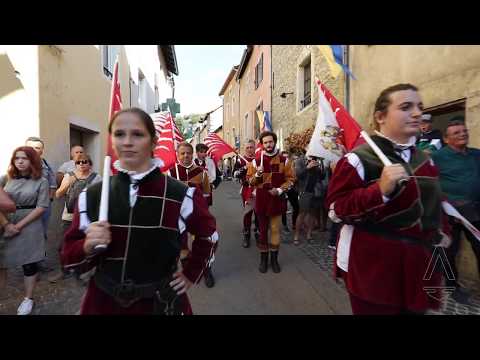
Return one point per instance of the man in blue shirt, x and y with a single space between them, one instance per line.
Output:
459 167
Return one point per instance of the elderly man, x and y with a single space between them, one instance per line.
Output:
69 166
430 139
459 167
47 172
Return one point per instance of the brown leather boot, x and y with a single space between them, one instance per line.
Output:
263 262
246 239
274 261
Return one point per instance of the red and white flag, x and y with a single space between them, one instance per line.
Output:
168 137
115 106
217 147
336 131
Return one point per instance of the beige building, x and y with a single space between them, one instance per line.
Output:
61 93
448 78
254 78
294 92
231 108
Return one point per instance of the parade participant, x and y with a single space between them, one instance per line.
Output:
247 193
72 184
390 228
69 165
429 140
459 167
22 238
195 176
148 212
207 164
271 176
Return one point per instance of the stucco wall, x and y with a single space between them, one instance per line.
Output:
250 97
19 110
444 73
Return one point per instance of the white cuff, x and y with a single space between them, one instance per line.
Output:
385 199
280 191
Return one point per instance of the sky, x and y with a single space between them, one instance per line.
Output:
202 71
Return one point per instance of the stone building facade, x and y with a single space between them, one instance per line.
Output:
290 67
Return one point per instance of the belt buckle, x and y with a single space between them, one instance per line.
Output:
126 293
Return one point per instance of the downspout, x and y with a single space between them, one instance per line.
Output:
271 85
346 57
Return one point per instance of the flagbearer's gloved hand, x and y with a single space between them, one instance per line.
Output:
259 171
97 233
390 177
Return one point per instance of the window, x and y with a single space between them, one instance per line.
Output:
259 72
233 105
109 55
304 83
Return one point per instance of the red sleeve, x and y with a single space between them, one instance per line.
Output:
353 200
202 225
72 254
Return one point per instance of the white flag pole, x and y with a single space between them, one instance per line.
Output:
103 213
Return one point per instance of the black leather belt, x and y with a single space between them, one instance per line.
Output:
26 207
128 292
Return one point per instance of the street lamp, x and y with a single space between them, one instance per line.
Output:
284 94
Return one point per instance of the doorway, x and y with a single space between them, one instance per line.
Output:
442 114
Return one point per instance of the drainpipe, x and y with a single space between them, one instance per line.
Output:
346 59
271 85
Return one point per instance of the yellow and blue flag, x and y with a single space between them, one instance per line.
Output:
264 120
334 56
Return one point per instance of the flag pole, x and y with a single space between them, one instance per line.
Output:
175 147
104 196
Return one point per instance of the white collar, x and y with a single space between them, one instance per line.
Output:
411 141
275 152
155 162
187 167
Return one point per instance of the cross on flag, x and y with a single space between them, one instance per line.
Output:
217 147
168 137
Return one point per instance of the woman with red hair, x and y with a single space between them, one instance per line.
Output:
22 240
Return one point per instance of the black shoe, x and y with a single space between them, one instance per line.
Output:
263 262
286 229
246 239
209 280
274 262
461 296
256 234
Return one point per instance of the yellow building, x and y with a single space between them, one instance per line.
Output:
61 93
448 77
